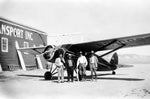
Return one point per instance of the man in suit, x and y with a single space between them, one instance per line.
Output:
70 67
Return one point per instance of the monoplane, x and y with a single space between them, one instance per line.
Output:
51 52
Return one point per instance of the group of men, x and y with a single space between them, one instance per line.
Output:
79 67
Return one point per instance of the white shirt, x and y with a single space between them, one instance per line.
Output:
82 60
93 59
58 62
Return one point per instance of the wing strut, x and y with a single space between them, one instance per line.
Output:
113 50
107 44
37 51
22 63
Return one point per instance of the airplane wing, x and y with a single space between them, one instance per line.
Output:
115 43
33 50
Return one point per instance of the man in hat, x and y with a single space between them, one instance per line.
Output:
81 65
93 64
70 67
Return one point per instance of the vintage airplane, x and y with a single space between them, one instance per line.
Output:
51 52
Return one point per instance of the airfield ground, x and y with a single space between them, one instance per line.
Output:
129 83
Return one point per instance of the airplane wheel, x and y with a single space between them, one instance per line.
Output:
113 72
48 75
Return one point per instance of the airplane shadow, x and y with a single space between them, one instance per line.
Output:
42 76
39 76
124 79
115 78
88 77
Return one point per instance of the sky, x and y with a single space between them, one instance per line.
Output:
72 21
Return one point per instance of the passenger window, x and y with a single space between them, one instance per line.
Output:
4 44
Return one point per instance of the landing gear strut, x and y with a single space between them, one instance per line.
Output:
49 74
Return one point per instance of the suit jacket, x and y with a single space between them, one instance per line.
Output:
68 64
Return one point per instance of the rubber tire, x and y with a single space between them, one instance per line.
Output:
48 75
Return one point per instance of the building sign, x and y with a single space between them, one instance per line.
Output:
15 32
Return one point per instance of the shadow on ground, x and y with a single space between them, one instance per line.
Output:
88 77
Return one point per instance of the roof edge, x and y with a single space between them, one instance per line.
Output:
22 25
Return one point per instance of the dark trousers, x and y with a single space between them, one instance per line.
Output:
70 73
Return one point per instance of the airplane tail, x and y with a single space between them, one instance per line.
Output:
114 59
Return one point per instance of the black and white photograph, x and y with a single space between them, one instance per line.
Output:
74 49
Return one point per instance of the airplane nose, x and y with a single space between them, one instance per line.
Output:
48 52
47 48
47 55
52 53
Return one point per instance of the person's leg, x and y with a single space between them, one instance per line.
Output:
76 74
95 72
68 74
84 72
91 69
58 71
62 74
71 74
80 72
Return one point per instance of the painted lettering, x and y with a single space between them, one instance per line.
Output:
28 35
3 29
15 32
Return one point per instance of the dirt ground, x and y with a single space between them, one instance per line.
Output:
130 83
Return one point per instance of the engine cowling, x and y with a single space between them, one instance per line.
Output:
51 53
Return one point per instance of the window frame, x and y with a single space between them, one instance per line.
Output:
26 44
4 39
